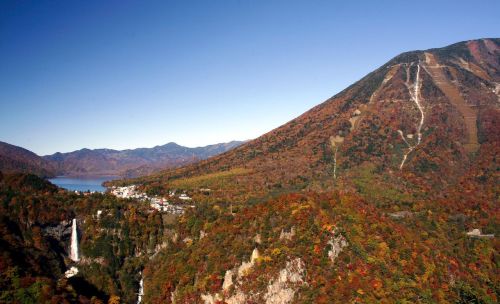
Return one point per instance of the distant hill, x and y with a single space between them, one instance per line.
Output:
133 162
19 160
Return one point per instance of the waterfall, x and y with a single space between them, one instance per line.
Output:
73 255
141 290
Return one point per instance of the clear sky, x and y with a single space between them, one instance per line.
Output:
127 74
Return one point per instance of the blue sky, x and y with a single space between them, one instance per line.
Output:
127 74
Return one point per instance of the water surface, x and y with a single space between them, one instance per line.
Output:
82 183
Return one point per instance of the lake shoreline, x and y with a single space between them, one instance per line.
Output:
82 183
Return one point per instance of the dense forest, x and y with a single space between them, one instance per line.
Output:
331 247
116 239
349 251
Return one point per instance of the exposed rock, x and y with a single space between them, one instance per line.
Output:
337 140
173 295
353 120
255 255
287 235
282 289
71 272
477 234
238 298
401 214
338 243
244 269
246 266
58 232
159 247
228 280
202 234
211 299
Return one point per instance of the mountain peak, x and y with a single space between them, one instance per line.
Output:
170 144
418 118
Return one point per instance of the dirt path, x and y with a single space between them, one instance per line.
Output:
453 94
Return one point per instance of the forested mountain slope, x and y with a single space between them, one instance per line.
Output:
17 159
372 196
422 121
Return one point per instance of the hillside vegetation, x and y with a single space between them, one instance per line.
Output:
16 159
35 225
400 165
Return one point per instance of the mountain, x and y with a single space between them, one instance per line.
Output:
132 162
386 192
424 121
17 159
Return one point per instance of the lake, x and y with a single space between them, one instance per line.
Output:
82 183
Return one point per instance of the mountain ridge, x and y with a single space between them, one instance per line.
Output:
18 159
131 162
103 161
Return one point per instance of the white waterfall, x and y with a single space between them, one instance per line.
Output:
73 255
141 290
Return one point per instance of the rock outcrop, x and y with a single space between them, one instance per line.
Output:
282 289
337 243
